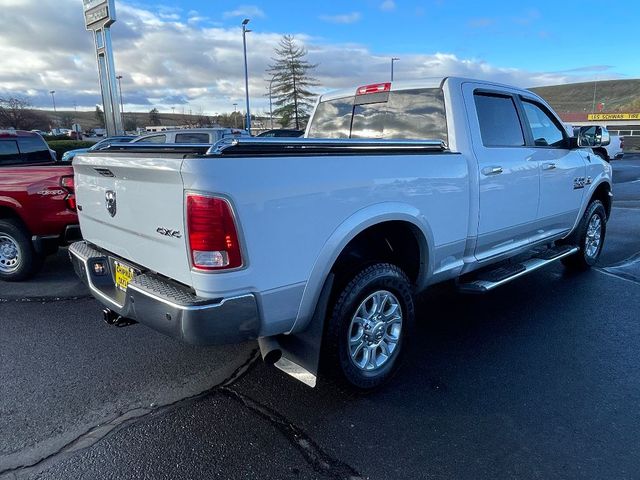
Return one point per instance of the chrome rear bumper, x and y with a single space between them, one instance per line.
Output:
166 306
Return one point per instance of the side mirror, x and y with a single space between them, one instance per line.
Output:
593 136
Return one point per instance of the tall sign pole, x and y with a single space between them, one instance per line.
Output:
99 16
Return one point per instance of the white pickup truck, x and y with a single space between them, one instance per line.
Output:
317 246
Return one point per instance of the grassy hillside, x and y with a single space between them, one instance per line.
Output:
87 120
617 96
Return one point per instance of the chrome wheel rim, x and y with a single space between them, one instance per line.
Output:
594 236
10 255
375 331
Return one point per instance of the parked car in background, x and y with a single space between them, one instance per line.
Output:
282 132
69 155
192 135
615 148
321 243
37 204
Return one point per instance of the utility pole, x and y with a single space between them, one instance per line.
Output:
53 98
270 102
119 78
245 30
393 59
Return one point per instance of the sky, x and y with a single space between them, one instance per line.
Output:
186 55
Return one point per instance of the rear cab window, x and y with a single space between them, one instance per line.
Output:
417 114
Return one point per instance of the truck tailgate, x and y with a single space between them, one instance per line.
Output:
145 221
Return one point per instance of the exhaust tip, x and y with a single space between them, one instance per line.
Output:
270 350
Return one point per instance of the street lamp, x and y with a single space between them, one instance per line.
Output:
119 78
235 117
270 104
246 70
53 98
393 59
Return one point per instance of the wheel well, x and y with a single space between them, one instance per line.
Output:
395 242
602 194
6 212
601 152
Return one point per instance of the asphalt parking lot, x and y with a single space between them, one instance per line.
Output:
539 379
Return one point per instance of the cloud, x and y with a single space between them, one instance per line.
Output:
388 5
344 18
176 63
247 11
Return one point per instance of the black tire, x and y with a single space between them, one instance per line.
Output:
27 263
337 361
583 259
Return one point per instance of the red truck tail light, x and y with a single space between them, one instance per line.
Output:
621 143
68 183
374 88
213 236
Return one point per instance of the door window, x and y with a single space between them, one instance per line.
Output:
154 139
499 122
9 153
545 131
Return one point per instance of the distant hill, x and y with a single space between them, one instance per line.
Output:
617 96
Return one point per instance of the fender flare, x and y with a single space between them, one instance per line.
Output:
599 180
347 231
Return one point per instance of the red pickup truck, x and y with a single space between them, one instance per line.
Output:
37 204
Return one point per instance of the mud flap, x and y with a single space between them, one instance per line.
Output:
301 351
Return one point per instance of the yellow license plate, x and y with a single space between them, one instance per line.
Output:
124 275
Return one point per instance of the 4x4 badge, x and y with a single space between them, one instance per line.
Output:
110 202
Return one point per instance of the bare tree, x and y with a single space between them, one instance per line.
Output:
15 112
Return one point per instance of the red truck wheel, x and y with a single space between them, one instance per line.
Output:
18 260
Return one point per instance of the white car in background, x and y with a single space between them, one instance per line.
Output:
192 135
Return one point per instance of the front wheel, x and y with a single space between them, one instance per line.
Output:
366 334
589 236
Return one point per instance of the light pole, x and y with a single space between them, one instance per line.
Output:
246 70
53 98
393 59
270 104
119 78
235 117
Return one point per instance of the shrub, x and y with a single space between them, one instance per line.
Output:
62 146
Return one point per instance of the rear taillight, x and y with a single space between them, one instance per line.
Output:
621 143
213 237
67 182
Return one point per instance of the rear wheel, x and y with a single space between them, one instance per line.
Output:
589 236
366 333
18 259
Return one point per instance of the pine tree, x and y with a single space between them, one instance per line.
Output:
154 117
292 82
99 116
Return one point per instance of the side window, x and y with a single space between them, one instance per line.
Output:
34 149
546 132
192 138
9 154
154 139
499 122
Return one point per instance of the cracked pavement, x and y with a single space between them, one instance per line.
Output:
540 379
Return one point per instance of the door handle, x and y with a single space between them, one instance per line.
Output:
492 170
548 166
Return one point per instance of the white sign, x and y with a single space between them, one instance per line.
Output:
99 13
89 4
